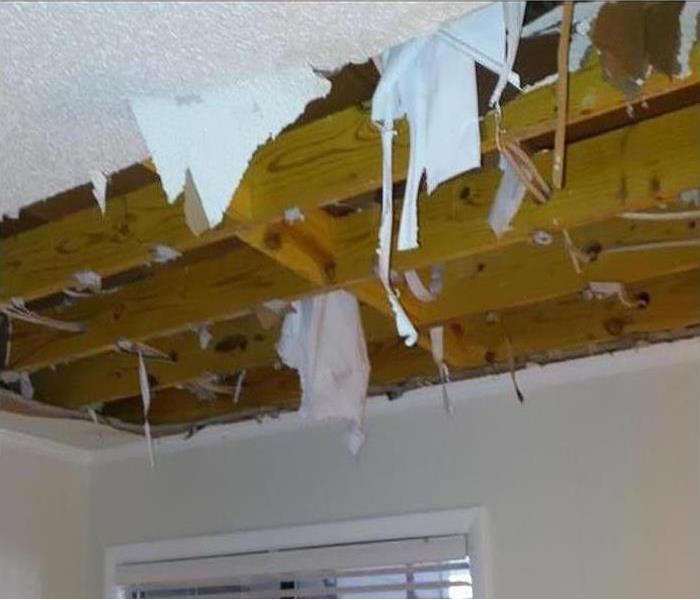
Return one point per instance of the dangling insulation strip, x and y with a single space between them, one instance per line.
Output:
239 387
403 324
509 197
17 310
146 399
417 288
513 13
437 346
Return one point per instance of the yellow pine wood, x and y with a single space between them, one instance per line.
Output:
546 328
325 161
629 169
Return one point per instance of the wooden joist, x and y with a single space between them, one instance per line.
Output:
608 174
543 330
499 280
323 162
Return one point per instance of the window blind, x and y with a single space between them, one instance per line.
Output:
435 567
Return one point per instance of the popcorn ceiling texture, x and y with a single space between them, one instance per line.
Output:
69 69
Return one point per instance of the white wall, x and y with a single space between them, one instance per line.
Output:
43 522
592 487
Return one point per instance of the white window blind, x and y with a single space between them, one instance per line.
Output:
435 567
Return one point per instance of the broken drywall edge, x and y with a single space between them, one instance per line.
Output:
535 377
215 133
550 22
584 13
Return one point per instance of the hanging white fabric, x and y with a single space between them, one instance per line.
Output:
324 341
146 400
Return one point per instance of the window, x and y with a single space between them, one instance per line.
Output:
435 567
437 554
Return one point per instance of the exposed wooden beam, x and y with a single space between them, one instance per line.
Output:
167 302
546 328
495 281
239 344
331 159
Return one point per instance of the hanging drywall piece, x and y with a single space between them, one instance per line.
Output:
99 189
215 133
509 196
432 80
324 341
146 400
405 328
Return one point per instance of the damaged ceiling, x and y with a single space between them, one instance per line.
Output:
608 261
70 70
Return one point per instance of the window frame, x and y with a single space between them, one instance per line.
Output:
471 522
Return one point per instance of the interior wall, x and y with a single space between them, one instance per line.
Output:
43 523
592 487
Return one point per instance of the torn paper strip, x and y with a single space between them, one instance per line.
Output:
146 400
215 133
324 341
437 347
432 81
509 196
405 328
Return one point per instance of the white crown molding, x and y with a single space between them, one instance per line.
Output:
531 379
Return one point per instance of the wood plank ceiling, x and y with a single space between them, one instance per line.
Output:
503 300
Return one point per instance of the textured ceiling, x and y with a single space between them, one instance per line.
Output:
69 69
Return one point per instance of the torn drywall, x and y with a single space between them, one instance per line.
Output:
69 69
213 134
